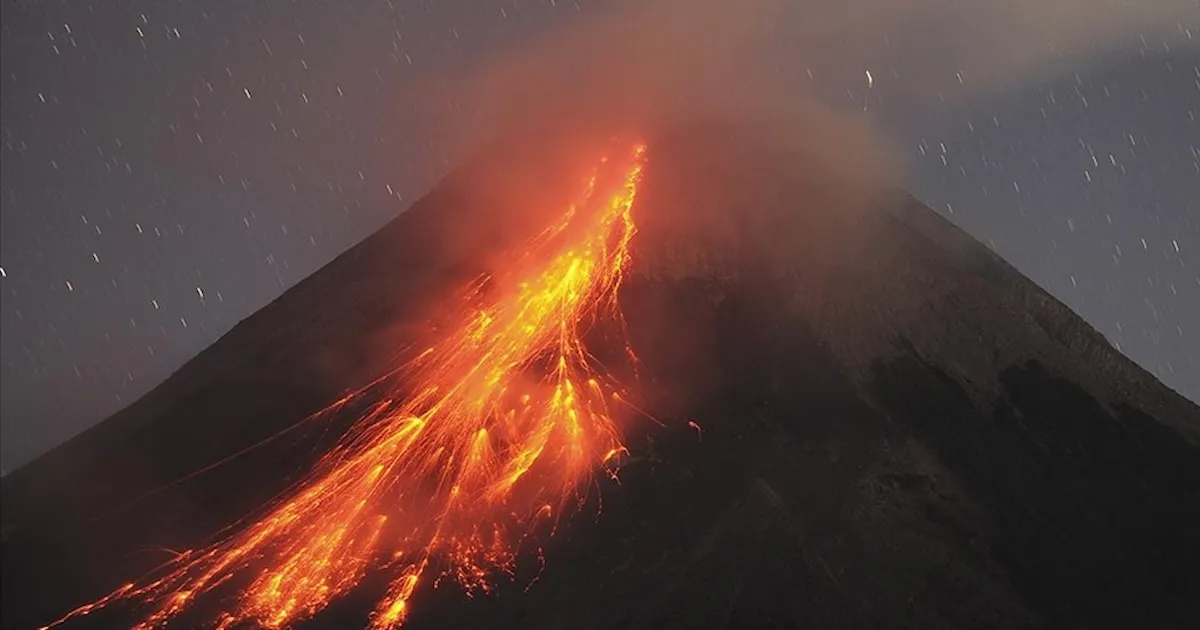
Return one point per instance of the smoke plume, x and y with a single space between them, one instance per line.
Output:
646 63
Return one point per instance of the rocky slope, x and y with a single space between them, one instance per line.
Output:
866 419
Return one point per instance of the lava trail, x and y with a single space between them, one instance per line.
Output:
493 428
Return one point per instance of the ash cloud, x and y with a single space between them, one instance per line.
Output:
652 65
646 63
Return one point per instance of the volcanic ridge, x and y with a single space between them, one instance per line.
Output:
705 379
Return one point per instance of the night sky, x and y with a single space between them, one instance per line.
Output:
168 168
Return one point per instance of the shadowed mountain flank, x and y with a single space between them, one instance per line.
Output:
855 416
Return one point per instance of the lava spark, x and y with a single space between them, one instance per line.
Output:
495 426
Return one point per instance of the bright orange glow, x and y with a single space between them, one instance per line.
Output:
503 421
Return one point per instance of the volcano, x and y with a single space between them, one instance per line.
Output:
738 388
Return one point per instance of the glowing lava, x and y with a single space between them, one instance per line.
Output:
504 419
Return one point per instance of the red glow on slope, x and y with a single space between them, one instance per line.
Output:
505 418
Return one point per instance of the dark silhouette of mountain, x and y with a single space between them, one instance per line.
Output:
891 427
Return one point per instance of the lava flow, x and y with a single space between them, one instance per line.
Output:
504 420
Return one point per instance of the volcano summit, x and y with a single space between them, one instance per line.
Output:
712 380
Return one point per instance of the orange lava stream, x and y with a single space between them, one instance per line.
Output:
504 420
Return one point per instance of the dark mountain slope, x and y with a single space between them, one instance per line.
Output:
896 429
